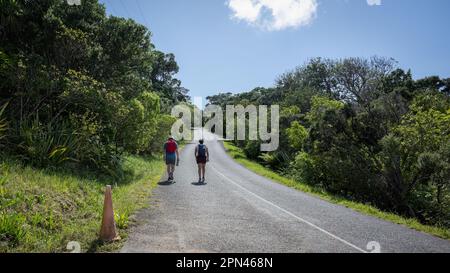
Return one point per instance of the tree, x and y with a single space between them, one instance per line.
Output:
359 80
162 78
297 135
82 82
415 157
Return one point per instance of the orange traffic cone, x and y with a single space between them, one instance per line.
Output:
108 231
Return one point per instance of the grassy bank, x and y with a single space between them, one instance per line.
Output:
239 156
42 210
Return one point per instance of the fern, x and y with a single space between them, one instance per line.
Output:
46 146
3 123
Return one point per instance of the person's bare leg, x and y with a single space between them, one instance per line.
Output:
199 172
168 170
203 171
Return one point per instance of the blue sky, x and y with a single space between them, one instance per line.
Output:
236 45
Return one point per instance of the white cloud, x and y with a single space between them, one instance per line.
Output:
374 2
274 14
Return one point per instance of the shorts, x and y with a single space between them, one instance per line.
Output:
170 159
201 159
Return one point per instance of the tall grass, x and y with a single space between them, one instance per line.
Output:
42 210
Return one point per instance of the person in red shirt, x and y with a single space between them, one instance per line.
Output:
171 156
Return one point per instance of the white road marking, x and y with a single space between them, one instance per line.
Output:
290 213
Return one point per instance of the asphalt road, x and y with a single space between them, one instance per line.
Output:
240 211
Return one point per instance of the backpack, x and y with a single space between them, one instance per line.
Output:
201 150
171 147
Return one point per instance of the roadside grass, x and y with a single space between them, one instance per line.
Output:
44 210
238 155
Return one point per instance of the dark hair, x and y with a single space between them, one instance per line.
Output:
201 141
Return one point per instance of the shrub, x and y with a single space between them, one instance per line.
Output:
252 149
164 125
297 135
46 145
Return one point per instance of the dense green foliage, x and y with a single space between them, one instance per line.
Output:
80 88
364 130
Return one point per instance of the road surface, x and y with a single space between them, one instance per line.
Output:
240 211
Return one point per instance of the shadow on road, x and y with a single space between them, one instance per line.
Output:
166 183
199 184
